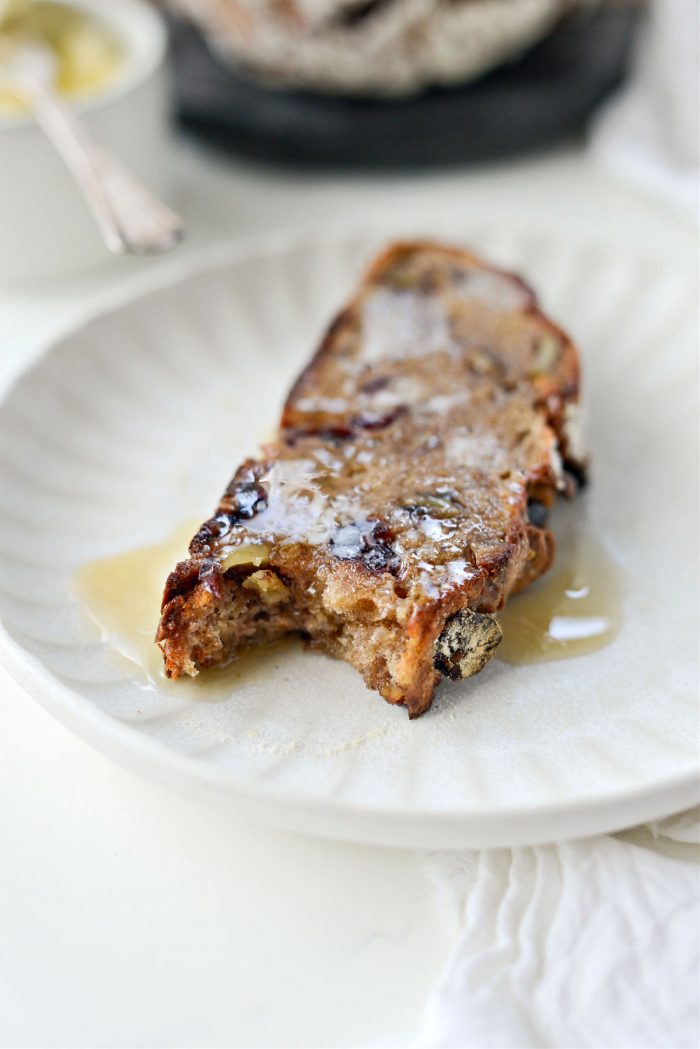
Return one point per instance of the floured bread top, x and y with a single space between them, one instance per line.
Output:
370 46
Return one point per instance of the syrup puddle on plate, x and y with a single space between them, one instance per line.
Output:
575 609
122 594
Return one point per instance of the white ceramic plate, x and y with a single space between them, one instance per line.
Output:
134 423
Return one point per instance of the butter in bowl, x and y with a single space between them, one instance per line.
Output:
108 65
87 51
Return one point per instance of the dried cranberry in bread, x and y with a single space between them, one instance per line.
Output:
407 494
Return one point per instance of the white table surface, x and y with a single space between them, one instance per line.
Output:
130 916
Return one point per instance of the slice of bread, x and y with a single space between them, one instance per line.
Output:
408 491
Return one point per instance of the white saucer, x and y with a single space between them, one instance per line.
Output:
134 423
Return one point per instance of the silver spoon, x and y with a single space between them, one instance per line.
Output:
131 219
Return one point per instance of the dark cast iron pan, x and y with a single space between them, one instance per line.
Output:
545 95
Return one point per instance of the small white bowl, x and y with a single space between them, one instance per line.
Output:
45 226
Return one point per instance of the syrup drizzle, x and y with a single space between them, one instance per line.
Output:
575 609
122 595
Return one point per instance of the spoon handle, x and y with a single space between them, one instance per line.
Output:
131 219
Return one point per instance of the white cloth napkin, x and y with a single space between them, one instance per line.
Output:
592 943
587 943
649 133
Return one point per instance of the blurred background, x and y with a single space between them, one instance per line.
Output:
260 113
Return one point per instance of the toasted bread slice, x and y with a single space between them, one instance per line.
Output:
407 494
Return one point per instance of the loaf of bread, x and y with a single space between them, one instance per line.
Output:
370 46
407 494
